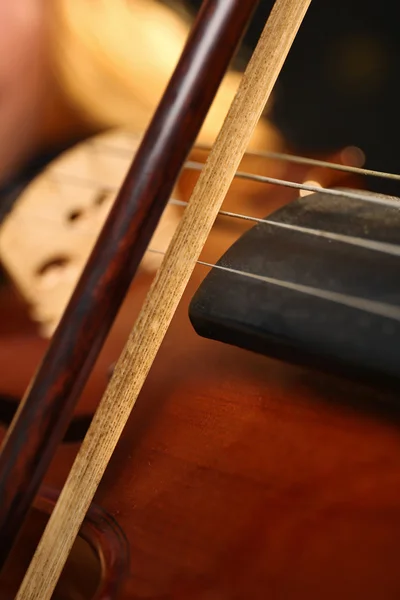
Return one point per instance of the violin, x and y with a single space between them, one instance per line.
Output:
237 475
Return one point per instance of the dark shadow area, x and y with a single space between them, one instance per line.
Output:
339 86
75 433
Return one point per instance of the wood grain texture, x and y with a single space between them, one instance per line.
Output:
237 475
241 477
43 416
166 291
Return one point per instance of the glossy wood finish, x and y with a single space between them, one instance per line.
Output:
237 476
45 412
240 477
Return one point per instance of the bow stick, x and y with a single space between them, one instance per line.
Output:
163 298
45 412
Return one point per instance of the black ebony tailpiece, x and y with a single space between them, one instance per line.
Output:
326 303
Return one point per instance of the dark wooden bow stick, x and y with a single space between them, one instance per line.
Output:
48 405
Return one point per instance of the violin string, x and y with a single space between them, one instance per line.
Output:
314 162
374 307
58 176
385 247
373 198
279 156
381 309
374 245
197 166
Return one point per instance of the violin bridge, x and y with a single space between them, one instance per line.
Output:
46 240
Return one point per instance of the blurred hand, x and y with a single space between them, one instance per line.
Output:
23 76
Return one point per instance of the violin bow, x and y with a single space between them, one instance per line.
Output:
163 298
45 411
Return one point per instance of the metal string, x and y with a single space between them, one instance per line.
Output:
381 309
280 156
370 306
374 245
374 198
385 247
314 162
362 304
198 166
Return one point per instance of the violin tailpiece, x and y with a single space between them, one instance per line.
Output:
316 291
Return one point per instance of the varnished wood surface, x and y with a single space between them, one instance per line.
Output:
304 447
240 477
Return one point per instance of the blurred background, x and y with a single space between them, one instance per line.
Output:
340 84
71 68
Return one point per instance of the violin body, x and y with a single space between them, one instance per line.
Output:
237 475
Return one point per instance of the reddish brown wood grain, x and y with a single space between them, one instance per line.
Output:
45 412
240 477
